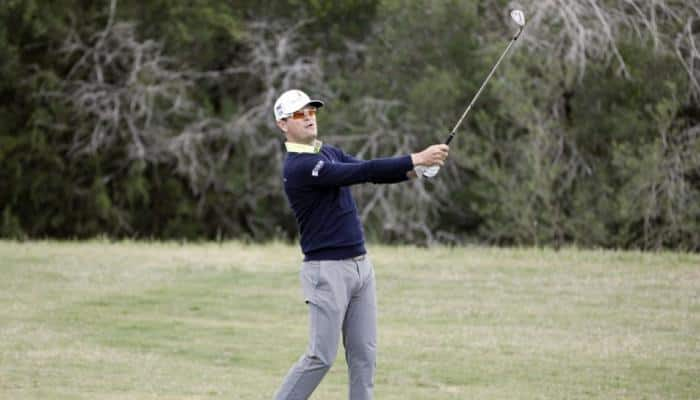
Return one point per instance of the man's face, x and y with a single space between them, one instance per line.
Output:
301 126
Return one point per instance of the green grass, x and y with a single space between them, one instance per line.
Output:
95 320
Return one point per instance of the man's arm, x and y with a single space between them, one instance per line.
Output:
350 159
432 156
319 172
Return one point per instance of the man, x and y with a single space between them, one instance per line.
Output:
337 277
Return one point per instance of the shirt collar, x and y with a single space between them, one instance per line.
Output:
304 148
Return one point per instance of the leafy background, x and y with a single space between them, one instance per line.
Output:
153 119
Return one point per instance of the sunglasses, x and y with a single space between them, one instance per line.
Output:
301 114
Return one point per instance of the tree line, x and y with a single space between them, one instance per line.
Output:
154 119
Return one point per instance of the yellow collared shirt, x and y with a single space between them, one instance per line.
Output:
303 148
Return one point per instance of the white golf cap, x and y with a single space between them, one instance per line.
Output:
293 100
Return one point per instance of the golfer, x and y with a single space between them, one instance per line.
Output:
337 277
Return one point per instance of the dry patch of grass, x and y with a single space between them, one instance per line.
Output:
143 320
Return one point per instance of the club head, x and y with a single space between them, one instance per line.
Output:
519 17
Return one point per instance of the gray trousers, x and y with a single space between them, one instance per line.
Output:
341 299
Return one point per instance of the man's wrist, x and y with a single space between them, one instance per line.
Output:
416 159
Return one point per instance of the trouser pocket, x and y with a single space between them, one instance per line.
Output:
365 270
310 275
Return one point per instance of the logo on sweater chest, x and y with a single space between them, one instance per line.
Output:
317 168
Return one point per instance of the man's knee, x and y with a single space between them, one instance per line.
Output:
319 362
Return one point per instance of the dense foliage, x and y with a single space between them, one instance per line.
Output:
153 119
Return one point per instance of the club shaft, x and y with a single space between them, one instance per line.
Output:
476 96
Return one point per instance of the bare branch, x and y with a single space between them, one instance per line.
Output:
580 31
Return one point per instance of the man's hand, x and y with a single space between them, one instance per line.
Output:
425 172
427 163
433 155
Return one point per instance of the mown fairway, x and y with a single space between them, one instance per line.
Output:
163 321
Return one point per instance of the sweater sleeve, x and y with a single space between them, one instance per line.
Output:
345 157
406 166
316 171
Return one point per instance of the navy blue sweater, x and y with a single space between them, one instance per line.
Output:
317 187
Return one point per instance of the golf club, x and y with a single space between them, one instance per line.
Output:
519 17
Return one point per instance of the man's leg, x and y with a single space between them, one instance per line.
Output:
360 334
325 296
307 372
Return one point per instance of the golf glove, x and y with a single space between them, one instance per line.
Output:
427 172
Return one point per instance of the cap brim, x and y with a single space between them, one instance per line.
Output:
315 103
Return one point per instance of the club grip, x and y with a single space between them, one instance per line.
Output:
449 138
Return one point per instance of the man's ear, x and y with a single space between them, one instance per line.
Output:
282 124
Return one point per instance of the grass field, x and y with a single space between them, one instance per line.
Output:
96 320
